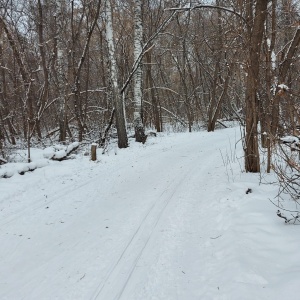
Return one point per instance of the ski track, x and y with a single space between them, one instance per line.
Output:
115 282
58 195
37 205
122 270
122 266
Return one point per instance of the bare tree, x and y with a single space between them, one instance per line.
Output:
61 68
256 30
116 95
138 41
27 83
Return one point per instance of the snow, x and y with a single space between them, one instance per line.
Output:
48 152
168 220
273 59
290 139
20 165
59 151
60 154
72 146
283 87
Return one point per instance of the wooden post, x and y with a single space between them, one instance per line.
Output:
93 152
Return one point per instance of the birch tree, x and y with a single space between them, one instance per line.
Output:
61 69
115 92
138 41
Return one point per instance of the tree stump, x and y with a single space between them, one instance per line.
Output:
94 152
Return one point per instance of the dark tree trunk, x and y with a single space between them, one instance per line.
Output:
252 162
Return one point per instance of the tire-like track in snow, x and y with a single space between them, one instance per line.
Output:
71 246
55 197
118 276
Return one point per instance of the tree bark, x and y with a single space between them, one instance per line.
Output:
61 70
94 152
117 99
137 77
283 72
252 161
154 100
27 83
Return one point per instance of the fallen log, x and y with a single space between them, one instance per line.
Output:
2 161
64 154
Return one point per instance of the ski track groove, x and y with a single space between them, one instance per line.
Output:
141 236
131 241
58 195
55 197
148 238
18 214
162 203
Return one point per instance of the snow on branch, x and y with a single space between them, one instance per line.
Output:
207 6
289 139
283 87
59 152
2 161
288 220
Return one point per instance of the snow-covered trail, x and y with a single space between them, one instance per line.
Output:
88 240
172 175
152 222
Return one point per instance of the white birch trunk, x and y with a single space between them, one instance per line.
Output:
118 101
1 106
137 78
61 69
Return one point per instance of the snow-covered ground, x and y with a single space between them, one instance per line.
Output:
168 220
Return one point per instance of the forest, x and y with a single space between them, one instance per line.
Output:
149 149
88 71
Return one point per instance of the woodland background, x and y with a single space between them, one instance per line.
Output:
68 70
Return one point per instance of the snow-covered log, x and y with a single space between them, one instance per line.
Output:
60 153
292 142
289 139
6 173
63 154
2 161
27 168
23 168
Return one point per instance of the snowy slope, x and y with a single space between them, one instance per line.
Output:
166 220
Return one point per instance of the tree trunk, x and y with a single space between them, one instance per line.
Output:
283 72
4 106
252 162
117 99
61 71
154 100
137 78
27 83
94 152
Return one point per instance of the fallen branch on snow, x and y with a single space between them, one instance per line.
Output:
60 152
294 218
2 161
